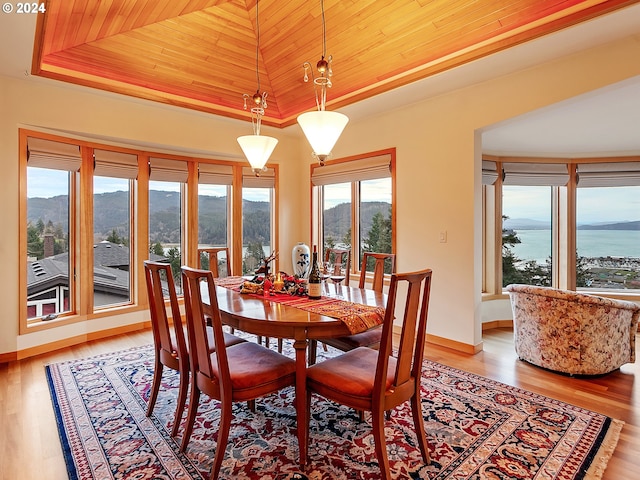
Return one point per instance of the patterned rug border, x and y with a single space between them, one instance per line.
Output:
592 468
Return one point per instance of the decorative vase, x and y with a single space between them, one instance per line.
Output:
300 260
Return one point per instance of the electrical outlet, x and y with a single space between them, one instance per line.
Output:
443 236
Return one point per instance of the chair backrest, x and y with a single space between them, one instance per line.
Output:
339 256
196 320
379 260
214 266
412 334
156 286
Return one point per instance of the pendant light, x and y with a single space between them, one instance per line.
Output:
257 148
322 128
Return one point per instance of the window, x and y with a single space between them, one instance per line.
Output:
91 213
214 183
166 182
568 225
608 233
113 178
51 173
375 217
257 214
526 235
354 199
336 215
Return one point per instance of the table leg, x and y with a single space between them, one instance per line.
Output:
300 346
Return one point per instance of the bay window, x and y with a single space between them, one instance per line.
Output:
571 224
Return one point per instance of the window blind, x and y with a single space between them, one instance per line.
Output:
55 155
489 172
215 174
166 170
369 168
616 174
542 174
267 179
115 164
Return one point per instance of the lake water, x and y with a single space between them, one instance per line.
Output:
536 244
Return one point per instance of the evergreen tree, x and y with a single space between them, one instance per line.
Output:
253 257
379 236
176 263
40 226
329 242
157 249
529 274
583 274
114 237
35 245
346 240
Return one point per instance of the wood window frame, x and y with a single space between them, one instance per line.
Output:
317 202
81 227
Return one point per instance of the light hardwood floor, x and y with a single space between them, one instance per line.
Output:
30 448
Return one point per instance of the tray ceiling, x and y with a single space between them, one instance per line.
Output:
201 54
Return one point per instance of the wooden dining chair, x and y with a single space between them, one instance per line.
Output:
377 381
214 267
369 338
213 255
339 257
170 344
380 261
242 372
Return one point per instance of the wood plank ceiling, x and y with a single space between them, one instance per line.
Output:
201 54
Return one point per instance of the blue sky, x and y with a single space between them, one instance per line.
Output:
594 205
51 183
371 191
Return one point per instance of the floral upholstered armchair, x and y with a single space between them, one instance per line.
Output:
573 332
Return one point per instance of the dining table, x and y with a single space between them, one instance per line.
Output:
279 317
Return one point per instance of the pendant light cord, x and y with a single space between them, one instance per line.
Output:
324 31
257 44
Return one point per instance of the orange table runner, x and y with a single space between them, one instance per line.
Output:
356 316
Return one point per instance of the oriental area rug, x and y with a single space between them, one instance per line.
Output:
477 429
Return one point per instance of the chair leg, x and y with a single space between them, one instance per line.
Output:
223 437
280 343
418 422
194 401
377 426
155 385
313 349
182 400
304 449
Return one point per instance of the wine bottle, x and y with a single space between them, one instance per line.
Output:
315 280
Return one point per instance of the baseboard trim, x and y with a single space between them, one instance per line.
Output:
454 345
497 324
68 342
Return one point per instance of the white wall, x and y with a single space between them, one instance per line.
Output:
438 172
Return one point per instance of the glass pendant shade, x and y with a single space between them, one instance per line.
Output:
322 129
257 149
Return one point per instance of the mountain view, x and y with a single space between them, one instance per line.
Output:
529 224
337 221
111 211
